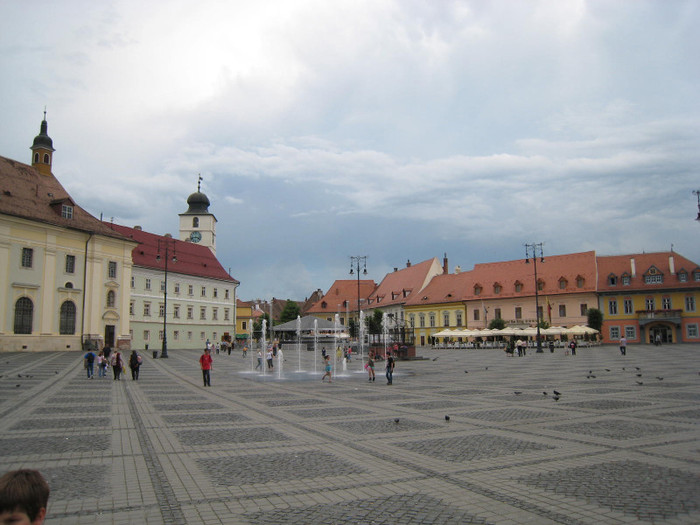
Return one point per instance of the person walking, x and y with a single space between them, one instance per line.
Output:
117 362
328 369
101 365
389 368
572 347
206 364
623 345
135 364
245 350
89 363
369 366
269 358
259 365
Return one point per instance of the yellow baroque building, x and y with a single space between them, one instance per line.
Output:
64 275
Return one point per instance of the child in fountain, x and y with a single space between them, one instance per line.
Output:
329 370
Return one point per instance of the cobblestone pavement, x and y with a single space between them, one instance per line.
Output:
619 444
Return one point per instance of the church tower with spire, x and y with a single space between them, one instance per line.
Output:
42 149
197 224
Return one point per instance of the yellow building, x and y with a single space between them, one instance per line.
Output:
64 274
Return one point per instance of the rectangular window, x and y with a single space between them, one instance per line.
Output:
176 311
202 336
656 278
649 304
630 332
146 335
148 284
692 331
497 313
177 288
161 310
190 290
226 294
70 263
562 310
421 320
518 312
612 308
215 314
216 293
614 333
162 286
27 257
628 306
131 308
626 280
226 314
146 309
446 319
244 325
176 335
666 303
112 269
204 291
412 320
689 303
459 318
476 314
190 312
133 281
432 320
189 336
584 309
67 211
202 313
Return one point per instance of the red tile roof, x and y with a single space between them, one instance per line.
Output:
640 264
192 259
397 287
26 193
444 288
341 291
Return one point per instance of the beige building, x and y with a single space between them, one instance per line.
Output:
64 275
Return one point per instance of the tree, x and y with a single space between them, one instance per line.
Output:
374 322
290 311
595 318
352 328
497 324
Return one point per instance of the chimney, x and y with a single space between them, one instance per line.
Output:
445 267
396 269
168 236
671 265
138 228
408 263
458 269
633 267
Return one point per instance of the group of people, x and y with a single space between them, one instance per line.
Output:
369 367
106 358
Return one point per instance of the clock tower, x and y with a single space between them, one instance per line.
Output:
197 224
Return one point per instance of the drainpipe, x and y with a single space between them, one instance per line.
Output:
82 317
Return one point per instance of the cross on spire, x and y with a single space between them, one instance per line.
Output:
199 181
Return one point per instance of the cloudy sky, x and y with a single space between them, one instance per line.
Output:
395 129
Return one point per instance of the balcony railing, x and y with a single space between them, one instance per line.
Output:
659 314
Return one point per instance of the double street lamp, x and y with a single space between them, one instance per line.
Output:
697 192
165 244
534 251
355 262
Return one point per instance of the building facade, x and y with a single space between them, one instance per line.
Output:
64 275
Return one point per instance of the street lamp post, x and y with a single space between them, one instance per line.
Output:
697 192
355 262
534 250
165 244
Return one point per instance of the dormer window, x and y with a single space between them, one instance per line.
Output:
540 285
497 288
324 304
653 276
518 287
67 211
612 280
683 276
562 283
580 281
626 279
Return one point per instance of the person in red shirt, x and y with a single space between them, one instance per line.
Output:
205 361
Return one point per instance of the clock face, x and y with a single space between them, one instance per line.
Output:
195 236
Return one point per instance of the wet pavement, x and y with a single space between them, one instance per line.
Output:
619 444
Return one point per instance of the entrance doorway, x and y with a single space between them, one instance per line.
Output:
109 335
664 333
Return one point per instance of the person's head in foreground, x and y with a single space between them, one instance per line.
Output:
24 495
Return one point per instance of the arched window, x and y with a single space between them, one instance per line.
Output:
46 158
195 222
36 157
24 312
67 319
111 298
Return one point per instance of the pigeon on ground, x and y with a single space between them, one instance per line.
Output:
544 393
556 393
639 375
607 370
447 418
659 378
396 420
435 359
556 398
640 383
466 371
517 392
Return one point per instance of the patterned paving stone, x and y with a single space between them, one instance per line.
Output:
607 404
617 429
383 426
645 491
407 509
76 423
508 414
63 410
680 396
229 435
77 481
688 414
283 466
466 392
329 412
187 406
466 448
199 419
293 402
430 405
78 399
52 445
